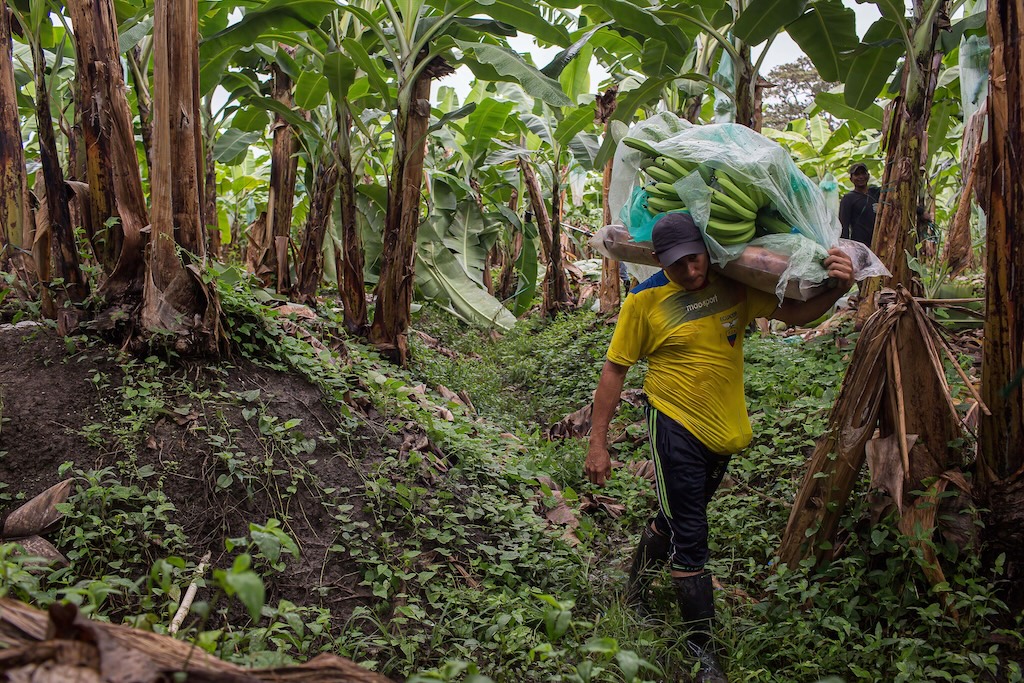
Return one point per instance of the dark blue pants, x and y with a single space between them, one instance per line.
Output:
688 474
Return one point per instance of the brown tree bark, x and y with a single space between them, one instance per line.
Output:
16 229
310 267
64 252
610 290
186 130
556 287
1001 453
349 260
959 252
393 313
746 112
175 299
112 166
905 142
283 171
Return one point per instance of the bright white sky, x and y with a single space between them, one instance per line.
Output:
783 51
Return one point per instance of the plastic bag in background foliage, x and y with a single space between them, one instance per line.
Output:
751 159
830 189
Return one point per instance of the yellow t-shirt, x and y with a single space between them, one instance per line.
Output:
693 342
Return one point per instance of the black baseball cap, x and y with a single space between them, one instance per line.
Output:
675 235
859 166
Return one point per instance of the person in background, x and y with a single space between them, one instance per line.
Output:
689 322
857 208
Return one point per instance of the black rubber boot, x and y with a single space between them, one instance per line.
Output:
651 551
697 605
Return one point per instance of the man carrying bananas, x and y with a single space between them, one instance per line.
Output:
688 323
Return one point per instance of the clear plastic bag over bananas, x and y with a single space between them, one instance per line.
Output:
739 211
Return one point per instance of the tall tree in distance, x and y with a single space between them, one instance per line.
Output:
792 91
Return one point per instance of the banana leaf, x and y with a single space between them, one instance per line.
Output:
528 269
467 300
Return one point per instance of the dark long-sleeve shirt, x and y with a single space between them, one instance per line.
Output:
857 215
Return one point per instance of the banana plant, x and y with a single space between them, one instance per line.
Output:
418 39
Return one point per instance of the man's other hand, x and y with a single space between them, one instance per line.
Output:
839 267
598 466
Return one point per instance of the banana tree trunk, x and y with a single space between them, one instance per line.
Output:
507 276
393 313
610 290
556 288
16 229
64 252
112 166
349 259
959 250
905 141
283 171
746 111
175 298
1001 453
310 267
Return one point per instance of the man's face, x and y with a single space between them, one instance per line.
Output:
859 178
690 272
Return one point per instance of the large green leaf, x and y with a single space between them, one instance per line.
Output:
762 19
585 148
468 300
340 71
277 15
528 269
939 124
483 125
661 59
523 14
826 34
250 119
840 136
573 123
509 64
362 58
568 56
629 16
835 104
950 40
131 36
311 90
232 145
871 68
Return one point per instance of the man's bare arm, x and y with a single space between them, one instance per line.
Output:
598 466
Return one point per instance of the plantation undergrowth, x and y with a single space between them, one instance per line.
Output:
398 528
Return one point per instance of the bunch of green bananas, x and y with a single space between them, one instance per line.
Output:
739 211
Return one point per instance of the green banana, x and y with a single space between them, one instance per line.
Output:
772 224
729 202
664 204
729 187
724 212
661 175
663 190
679 168
738 239
641 146
727 232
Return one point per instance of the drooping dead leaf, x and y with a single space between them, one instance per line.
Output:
561 513
644 468
594 502
40 514
887 473
573 425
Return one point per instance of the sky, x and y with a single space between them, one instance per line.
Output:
782 51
